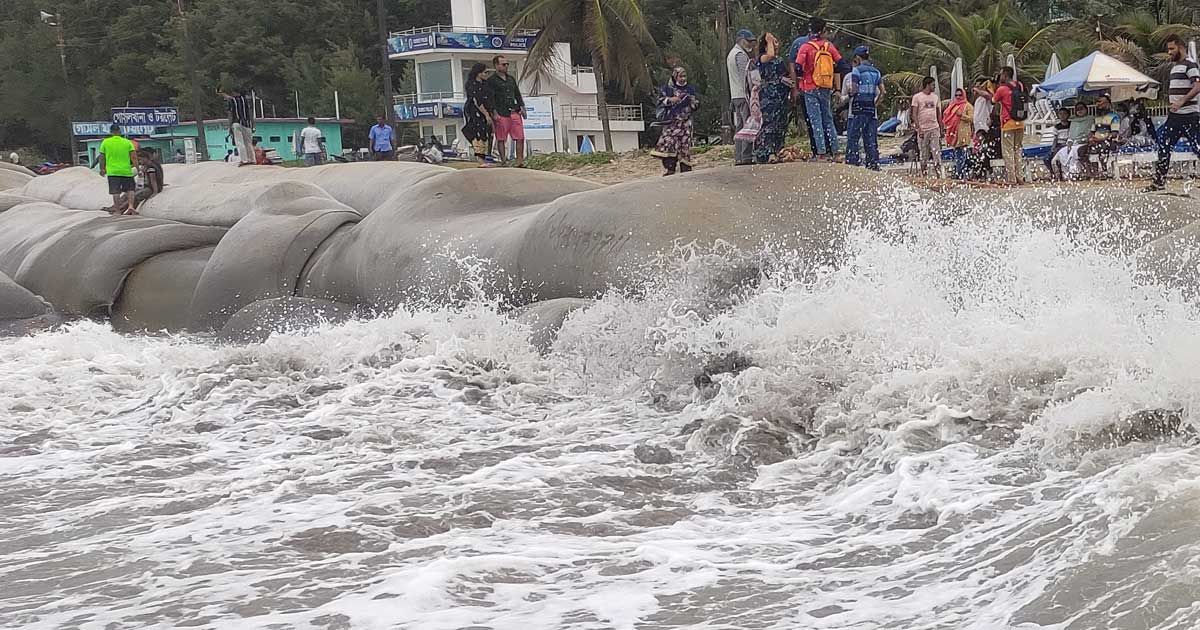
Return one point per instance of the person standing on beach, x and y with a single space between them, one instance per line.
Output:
818 60
312 145
737 64
1010 98
924 114
677 101
865 91
477 114
382 139
508 110
241 124
1183 120
797 98
774 93
117 157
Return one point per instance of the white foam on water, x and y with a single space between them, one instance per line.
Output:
940 432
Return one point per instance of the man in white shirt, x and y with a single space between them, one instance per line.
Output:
311 144
737 63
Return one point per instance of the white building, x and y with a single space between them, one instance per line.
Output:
560 103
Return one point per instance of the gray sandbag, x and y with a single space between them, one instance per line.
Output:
12 179
78 261
16 302
546 318
363 186
10 200
1118 220
1173 260
77 188
553 236
411 248
264 254
221 204
158 293
258 321
16 168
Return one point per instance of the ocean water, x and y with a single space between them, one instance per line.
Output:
982 426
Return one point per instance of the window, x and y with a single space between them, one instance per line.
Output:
579 142
259 138
426 132
435 77
451 134
274 138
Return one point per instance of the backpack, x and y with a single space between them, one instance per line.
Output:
1020 103
823 66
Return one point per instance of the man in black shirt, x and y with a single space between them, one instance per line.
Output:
241 124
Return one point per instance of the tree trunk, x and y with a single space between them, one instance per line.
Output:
602 103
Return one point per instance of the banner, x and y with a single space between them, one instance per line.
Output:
99 129
460 41
151 116
539 118
414 111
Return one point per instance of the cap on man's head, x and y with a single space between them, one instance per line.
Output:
745 34
862 51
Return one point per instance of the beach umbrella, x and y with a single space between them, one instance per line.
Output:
1192 50
1012 63
937 85
1054 67
956 76
1097 73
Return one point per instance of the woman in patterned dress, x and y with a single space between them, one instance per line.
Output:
676 103
774 93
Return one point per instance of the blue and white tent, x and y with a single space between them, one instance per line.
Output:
1098 73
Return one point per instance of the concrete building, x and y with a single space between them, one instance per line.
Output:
272 133
560 102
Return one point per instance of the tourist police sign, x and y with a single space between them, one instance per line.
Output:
146 116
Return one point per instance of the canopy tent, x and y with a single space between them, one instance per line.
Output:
1098 73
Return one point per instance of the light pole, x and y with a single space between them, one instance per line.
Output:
189 65
381 15
55 20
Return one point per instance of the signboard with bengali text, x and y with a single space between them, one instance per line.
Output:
99 129
147 116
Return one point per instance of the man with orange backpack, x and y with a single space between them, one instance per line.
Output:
818 58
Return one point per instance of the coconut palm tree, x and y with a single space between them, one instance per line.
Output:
612 32
983 40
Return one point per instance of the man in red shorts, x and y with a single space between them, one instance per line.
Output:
508 110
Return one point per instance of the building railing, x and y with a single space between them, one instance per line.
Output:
428 97
592 112
450 28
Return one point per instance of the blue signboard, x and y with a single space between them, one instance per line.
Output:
413 111
152 116
99 129
460 41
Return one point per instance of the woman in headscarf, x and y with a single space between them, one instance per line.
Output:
477 114
774 91
676 103
957 121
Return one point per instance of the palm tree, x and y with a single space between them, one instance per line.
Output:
613 32
983 41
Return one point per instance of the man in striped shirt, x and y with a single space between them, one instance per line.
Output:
1184 119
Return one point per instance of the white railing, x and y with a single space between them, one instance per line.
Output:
450 28
428 97
592 112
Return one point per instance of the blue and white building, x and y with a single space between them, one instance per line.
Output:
561 102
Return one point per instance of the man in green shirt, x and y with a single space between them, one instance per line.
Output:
117 157
508 110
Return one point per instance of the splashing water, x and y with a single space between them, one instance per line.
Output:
982 425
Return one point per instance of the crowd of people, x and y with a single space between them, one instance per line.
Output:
811 83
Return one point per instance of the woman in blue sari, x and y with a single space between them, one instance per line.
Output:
774 94
676 103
